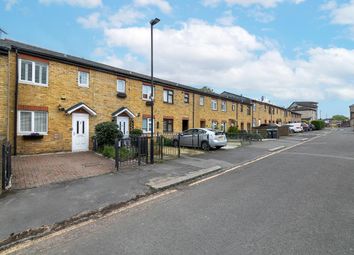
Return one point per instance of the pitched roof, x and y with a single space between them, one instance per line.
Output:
236 97
29 49
306 104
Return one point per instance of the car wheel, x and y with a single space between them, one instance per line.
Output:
205 146
175 143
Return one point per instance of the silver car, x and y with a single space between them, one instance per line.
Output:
204 138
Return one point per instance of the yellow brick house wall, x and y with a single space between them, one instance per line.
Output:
3 96
63 92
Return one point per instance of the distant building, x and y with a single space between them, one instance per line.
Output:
351 115
308 110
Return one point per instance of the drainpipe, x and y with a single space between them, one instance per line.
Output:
193 110
15 107
252 116
8 96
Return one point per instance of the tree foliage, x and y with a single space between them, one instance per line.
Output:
339 117
319 124
107 132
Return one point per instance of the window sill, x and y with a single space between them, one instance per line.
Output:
167 103
32 83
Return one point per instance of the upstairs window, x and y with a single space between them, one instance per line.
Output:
32 122
33 72
201 100
223 106
168 96
254 107
241 108
248 110
186 98
83 79
233 107
214 105
147 92
121 86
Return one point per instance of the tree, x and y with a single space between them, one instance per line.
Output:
339 117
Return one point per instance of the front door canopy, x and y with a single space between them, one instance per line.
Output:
80 106
123 110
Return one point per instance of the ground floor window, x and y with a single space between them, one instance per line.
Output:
168 125
242 126
214 124
32 122
147 125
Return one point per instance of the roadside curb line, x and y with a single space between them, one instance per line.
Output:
167 182
276 148
33 234
85 217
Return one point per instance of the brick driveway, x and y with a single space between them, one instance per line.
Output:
38 170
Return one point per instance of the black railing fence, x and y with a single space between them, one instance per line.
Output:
136 150
6 172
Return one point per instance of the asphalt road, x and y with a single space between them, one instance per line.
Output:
300 201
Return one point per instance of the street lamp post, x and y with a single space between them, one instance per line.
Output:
152 23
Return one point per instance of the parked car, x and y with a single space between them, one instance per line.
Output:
203 138
305 127
312 127
294 127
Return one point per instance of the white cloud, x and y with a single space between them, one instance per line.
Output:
231 58
80 3
260 15
91 21
227 19
246 3
343 14
163 5
126 15
9 4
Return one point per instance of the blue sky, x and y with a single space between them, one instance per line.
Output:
284 50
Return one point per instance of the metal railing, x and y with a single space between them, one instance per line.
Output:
6 172
136 150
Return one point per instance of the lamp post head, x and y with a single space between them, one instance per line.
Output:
154 21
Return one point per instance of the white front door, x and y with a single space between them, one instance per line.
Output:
123 125
80 132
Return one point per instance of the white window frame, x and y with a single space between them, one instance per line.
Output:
223 106
84 85
148 97
33 82
167 95
148 125
214 104
125 85
20 132
201 100
233 107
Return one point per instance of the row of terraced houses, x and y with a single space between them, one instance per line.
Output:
51 102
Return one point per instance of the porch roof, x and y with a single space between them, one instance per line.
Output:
79 106
123 110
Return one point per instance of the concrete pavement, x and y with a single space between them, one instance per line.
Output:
40 207
294 202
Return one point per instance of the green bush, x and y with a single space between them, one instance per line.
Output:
167 141
108 151
319 124
232 130
136 132
106 133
